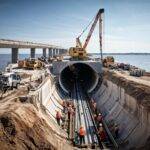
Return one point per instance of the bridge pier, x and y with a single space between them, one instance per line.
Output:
54 52
60 51
50 52
44 52
63 51
57 52
14 55
32 54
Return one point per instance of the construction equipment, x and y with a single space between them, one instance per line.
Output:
22 63
9 80
34 64
108 61
31 63
79 52
136 72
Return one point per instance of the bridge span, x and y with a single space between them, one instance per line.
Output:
15 45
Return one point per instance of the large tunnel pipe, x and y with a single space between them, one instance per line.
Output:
81 72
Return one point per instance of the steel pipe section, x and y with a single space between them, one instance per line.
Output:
83 73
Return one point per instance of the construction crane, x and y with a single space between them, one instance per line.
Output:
79 52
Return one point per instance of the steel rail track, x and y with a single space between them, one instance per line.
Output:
83 116
82 120
89 123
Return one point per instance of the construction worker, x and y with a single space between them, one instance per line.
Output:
64 106
82 134
102 133
91 102
95 117
70 111
58 117
94 106
99 118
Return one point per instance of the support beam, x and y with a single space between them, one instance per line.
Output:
50 52
32 54
14 55
54 52
60 51
57 52
44 52
63 51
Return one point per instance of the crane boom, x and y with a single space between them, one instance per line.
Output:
79 52
93 27
78 43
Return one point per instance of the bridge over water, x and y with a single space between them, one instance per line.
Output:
15 45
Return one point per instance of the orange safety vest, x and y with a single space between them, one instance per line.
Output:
82 132
58 115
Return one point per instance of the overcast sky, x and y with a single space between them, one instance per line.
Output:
127 22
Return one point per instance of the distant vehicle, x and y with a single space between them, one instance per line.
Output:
137 72
108 61
11 80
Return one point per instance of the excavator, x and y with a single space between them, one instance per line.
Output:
30 63
79 52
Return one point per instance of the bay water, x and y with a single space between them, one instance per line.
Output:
141 61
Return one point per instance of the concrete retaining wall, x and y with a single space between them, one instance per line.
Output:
44 96
133 120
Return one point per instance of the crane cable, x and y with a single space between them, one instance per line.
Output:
86 27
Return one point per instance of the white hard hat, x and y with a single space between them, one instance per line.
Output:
100 125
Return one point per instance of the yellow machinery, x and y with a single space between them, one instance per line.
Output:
79 52
108 61
22 63
33 64
30 63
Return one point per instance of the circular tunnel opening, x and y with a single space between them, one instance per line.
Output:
80 72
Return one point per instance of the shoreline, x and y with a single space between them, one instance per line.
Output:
6 58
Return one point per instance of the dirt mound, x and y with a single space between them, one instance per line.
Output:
138 91
22 127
